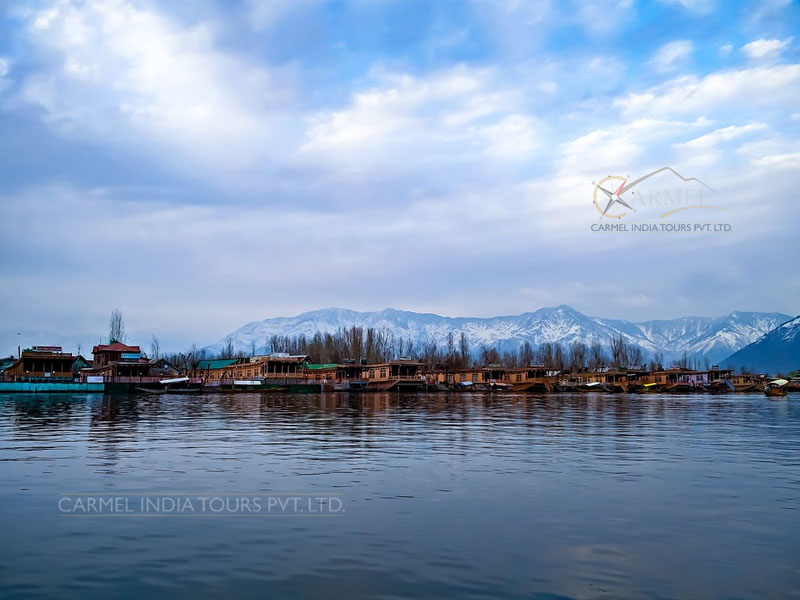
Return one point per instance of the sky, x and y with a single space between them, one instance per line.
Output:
203 164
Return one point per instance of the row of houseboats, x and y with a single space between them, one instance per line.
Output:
118 367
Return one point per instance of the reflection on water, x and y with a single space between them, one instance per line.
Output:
446 495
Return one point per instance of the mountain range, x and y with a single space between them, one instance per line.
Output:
714 338
776 352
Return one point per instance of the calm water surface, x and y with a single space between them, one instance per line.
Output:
445 496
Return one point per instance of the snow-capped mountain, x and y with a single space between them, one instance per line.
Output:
712 337
776 352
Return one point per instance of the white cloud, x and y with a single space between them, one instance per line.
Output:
621 146
463 109
123 73
736 90
724 134
514 138
4 67
672 55
781 161
763 48
704 150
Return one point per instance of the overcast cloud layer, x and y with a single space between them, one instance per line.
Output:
204 164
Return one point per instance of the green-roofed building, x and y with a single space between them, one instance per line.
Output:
217 363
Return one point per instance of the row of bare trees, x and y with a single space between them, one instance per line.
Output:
379 345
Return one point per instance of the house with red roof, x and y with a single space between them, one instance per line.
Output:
118 360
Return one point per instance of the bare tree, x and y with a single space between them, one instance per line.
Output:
635 356
489 356
546 354
597 356
227 350
116 327
619 352
559 360
155 348
526 354
463 347
577 356
510 359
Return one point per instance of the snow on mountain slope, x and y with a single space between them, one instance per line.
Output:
776 352
709 336
713 337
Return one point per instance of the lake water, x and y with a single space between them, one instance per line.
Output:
443 496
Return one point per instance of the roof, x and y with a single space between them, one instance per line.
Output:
5 362
296 358
27 353
115 347
218 363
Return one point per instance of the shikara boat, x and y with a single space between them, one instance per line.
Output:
194 390
594 386
649 388
175 385
776 388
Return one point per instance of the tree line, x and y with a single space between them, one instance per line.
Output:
379 345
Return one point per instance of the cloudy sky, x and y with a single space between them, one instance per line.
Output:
203 164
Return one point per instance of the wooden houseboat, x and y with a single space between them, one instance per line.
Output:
43 364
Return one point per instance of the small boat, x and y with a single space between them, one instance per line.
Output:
173 380
722 386
192 390
167 387
500 387
776 388
642 388
565 386
594 386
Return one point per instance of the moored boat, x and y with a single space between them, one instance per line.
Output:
173 385
594 386
776 388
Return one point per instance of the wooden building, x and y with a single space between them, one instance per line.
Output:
42 362
119 363
533 378
213 370
273 367
679 379
393 375
608 379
